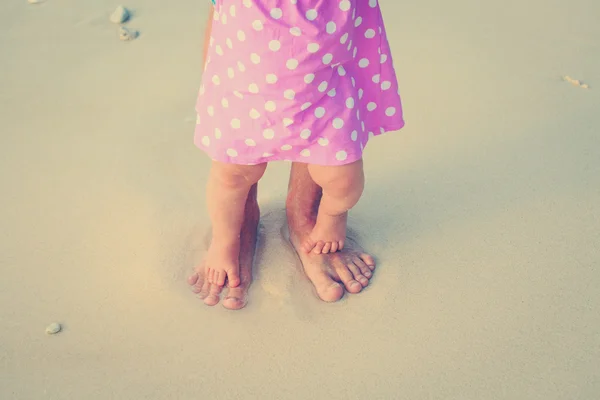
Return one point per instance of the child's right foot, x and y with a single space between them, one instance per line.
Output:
328 234
223 263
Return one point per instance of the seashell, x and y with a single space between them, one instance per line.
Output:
127 34
120 15
53 328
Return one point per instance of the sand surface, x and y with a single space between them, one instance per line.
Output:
484 215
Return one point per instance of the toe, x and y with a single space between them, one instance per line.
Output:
210 273
326 248
236 299
334 247
364 268
319 247
213 295
220 278
308 245
196 282
352 285
358 276
368 260
341 245
233 278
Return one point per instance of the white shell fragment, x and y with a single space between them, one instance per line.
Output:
127 34
575 82
35 1
53 328
120 15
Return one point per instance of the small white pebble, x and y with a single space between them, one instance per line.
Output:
120 15
53 328
127 34
35 1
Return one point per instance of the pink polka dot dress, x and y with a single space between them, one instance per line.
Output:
299 80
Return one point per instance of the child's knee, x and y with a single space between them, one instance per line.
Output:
345 180
237 176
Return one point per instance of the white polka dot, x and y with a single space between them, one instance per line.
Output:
354 136
311 14
371 106
345 5
362 125
257 25
202 89
241 66
267 154
248 3
353 82
218 133
224 19
254 114
305 105
309 78
274 45
344 38
225 103
305 153
229 43
319 112
232 153
268 133
250 142
383 58
332 93
271 78
338 123
255 58
230 73
313 47
219 50
327 58
370 33
287 122
216 80
376 78
253 88
289 94
241 35
270 106
385 85
276 13
350 102
198 119
235 123
349 45
295 31
363 63
331 27
358 22
373 3
323 86
206 141
292 64
210 110
360 93
354 52
323 141
390 111
341 155
286 147
232 11
305 134
341 71
238 94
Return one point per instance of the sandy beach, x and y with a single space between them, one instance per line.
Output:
483 214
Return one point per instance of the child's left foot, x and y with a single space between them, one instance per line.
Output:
328 235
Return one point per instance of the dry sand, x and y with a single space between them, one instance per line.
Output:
484 214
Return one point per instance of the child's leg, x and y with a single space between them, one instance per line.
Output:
227 191
342 187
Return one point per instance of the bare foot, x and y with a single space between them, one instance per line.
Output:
350 267
328 235
222 262
237 297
